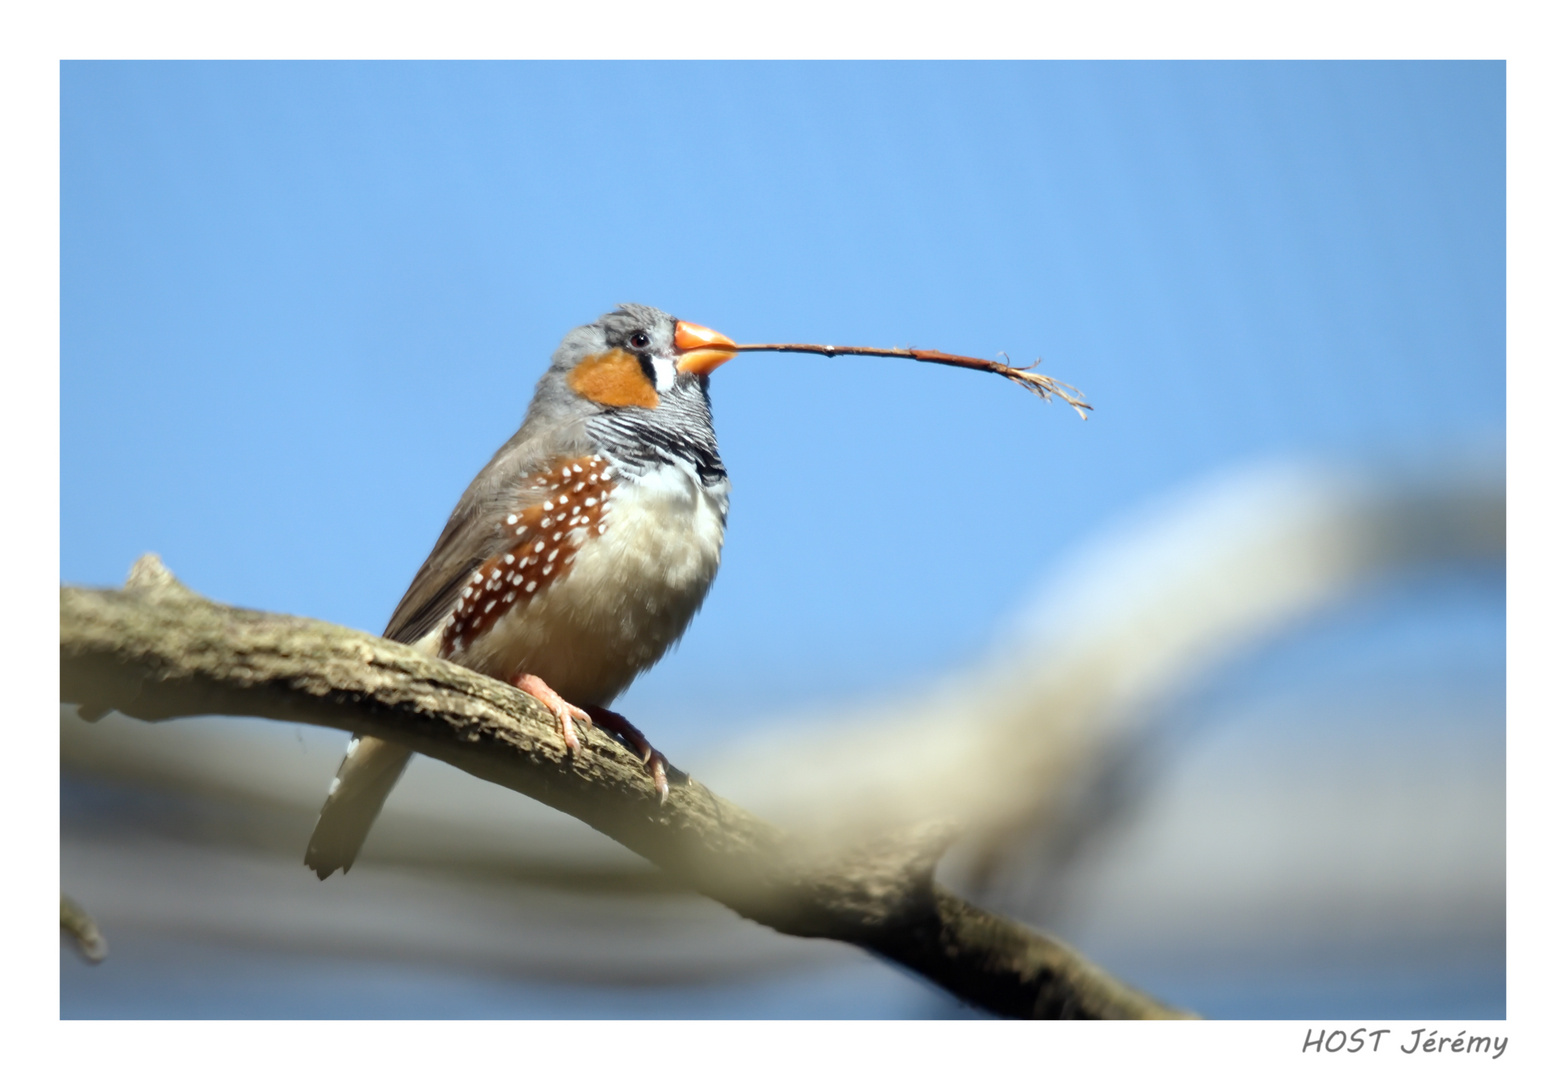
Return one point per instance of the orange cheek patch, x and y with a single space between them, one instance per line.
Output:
613 378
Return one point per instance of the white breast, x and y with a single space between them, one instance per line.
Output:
630 594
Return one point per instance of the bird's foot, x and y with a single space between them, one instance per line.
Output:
564 711
656 764
622 729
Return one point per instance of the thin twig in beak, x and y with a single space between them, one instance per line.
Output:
1040 385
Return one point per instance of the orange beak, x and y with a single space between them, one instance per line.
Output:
701 350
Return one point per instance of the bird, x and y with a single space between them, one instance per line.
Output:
577 556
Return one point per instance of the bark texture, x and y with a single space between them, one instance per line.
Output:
156 651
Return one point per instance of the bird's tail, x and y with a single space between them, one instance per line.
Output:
369 771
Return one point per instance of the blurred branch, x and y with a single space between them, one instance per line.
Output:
83 931
1011 744
155 650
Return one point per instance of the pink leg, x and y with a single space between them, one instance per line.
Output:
564 711
657 765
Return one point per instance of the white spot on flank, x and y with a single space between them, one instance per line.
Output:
532 585
511 519
547 569
510 559
467 592
546 522
589 501
336 783
549 504
521 530
478 576
510 596
538 546
569 557
576 468
553 553
556 536
488 606
353 746
593 478
495 573
601 528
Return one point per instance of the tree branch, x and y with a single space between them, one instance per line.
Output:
155 651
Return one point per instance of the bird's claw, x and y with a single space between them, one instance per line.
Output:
657 766
564 711
653 761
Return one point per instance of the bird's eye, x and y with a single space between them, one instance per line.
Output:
640 340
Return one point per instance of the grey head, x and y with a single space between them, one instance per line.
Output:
634 383
628 358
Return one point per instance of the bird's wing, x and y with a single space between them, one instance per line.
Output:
475 532
462 546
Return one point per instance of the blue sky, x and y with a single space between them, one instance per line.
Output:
302 303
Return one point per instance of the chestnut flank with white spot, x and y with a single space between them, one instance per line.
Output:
525 565
628 574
